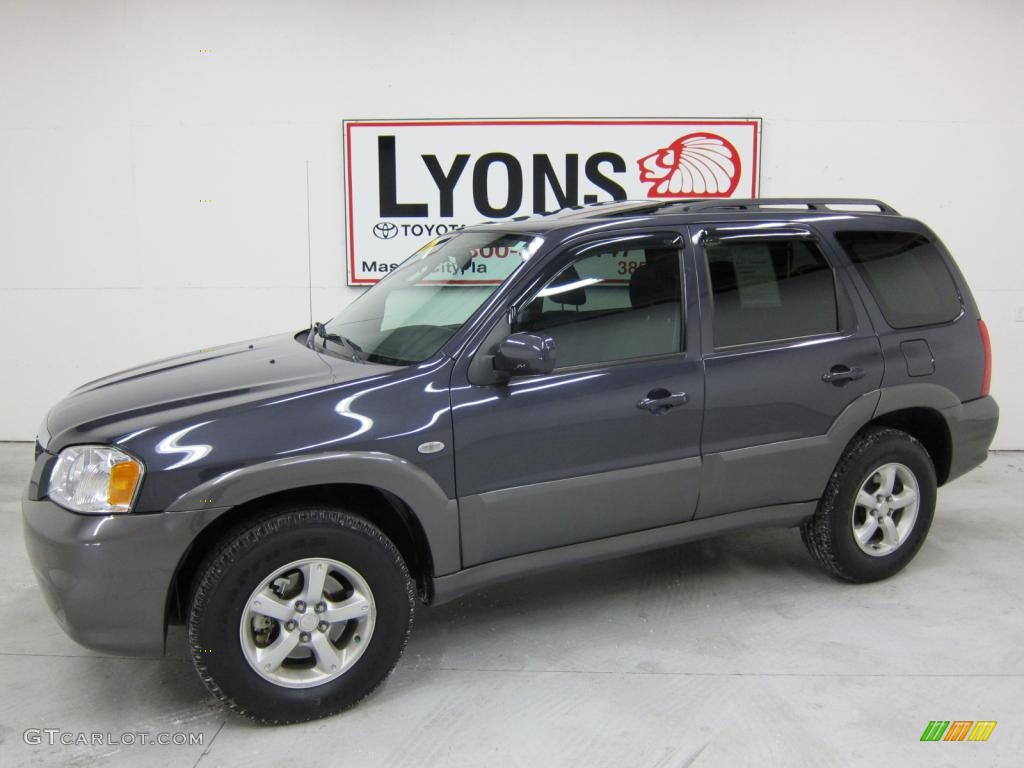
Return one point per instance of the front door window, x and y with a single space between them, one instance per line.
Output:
609 306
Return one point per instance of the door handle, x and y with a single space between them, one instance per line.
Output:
660 400
842 374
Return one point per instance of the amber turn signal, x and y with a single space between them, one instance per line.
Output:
124 479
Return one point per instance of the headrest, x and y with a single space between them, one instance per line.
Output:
654 282
723 276
576 297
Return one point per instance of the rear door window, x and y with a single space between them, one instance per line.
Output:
766 291
907 275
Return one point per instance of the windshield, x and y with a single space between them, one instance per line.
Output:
411 313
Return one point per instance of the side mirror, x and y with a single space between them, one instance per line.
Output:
525 354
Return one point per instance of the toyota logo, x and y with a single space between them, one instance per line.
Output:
385 230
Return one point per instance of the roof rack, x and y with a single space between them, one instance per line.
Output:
828 204
586 209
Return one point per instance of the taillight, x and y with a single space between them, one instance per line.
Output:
986 375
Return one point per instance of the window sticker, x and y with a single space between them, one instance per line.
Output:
755 277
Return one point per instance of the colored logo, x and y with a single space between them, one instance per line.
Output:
385 230
958 730
694 165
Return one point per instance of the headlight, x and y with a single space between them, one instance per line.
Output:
96 479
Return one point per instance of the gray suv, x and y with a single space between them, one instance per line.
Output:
514 397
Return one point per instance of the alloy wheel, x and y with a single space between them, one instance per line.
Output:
885 509
307 623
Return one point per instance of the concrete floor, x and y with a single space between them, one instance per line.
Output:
730 652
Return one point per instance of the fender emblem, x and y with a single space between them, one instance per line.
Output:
434 446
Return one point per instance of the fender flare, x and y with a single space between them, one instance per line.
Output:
918 395
436 513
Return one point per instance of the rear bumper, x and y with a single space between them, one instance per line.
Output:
107 578
972 425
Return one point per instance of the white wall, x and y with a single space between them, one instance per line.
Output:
114 124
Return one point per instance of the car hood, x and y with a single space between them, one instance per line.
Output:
184 386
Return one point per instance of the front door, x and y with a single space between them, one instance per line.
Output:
609 442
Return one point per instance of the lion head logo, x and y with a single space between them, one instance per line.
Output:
695 165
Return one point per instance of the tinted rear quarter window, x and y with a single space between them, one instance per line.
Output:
907 275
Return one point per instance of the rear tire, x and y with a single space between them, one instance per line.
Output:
299 614
876 510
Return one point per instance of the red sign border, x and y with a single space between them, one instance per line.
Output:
347 126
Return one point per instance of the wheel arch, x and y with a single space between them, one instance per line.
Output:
393 494
929 427
918 409
385 510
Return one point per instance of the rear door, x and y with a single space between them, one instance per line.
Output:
792 365
609 442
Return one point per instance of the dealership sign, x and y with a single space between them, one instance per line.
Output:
409 181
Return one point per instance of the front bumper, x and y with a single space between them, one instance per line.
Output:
107 578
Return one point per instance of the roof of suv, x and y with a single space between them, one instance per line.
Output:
636 212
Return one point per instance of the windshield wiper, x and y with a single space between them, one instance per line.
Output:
319 330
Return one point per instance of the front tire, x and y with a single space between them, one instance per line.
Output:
299 614
876 510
